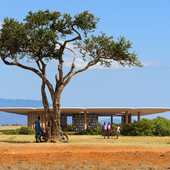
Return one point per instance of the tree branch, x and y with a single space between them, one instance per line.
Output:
49 85
72 66
76 38
38 64
91 63
63 46
60 70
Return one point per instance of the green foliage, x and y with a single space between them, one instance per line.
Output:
157 127
162 126
142 128
109 50
21 131
97 131
70 126
38 35
126 129
89 132
113 129
145 127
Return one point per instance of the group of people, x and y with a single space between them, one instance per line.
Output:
107 129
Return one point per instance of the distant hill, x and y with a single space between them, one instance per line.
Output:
8 118
20 103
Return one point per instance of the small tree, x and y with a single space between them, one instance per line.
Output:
37 38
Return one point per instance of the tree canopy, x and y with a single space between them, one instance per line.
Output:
37 38
40 32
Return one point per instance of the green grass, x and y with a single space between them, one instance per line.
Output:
122 141
98 140
17 138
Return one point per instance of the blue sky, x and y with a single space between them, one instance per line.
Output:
145 23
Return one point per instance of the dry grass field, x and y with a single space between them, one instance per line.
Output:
85 152
4 128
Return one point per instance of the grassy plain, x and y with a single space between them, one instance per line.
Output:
98 140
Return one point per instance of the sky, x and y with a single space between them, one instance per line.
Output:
144 23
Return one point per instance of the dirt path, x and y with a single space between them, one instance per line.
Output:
82 155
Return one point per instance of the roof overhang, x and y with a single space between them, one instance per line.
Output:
101 111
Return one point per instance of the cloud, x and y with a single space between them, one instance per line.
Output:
149 63
79 63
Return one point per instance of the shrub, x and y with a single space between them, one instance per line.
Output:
162 126
97 131
70 126
113 130
126 129
144 127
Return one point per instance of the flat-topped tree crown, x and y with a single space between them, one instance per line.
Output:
40 33
43 36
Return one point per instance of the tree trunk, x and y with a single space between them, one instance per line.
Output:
47 113
55 118
52 118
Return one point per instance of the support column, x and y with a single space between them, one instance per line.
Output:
138 116
32 118
126 117
85 121
129 118
123 119
111 119
28 120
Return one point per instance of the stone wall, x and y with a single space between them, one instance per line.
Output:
78 121
92 121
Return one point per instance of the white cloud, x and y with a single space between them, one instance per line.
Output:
79 63
149 63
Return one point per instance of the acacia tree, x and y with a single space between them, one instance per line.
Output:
37 38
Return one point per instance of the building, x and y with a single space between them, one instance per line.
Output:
85 118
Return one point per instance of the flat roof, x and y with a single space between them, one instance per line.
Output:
101 111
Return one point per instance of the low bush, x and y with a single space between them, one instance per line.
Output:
70 126
97 131
126 129
21 131
145 127
162 126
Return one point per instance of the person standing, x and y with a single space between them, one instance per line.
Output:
117 131
108 129
104 129
38 128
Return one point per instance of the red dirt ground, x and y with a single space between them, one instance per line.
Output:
47 154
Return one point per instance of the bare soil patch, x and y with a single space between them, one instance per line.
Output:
81 156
